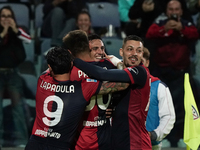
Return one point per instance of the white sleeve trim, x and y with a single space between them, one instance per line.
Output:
24 36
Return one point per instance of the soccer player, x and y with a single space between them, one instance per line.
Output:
60 102
161 114
129 129
95 129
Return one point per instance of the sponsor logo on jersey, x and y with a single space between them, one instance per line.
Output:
91 80
47 133
97 122
94 123
195 113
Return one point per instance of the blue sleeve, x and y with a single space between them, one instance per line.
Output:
96 72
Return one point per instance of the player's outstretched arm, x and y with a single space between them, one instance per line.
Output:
110 87
96 72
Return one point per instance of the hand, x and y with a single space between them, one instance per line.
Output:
169 25
107 56
178 26
109 113
120 65
136 21
148 6
5 26
113 59
174 25
12 24
149 134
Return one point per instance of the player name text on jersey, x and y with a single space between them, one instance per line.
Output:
82 74
57 88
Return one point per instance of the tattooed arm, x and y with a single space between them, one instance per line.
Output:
110 87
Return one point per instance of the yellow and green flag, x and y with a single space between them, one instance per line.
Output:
192 120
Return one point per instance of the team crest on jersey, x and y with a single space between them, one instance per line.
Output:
195 113
91 80
135 70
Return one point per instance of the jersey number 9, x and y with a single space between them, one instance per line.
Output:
56 115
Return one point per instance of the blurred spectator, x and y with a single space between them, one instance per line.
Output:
124 6
59 18
186 12
25 2
12 53
174 36
194 7
142 14
83 22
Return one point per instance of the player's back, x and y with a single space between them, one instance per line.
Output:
59 109
95 128
129 130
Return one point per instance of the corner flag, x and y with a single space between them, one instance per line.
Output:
192 120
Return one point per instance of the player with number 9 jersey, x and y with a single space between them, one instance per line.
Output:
59 108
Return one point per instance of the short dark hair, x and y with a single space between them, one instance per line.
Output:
76 41
132 37
60 60
93 36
